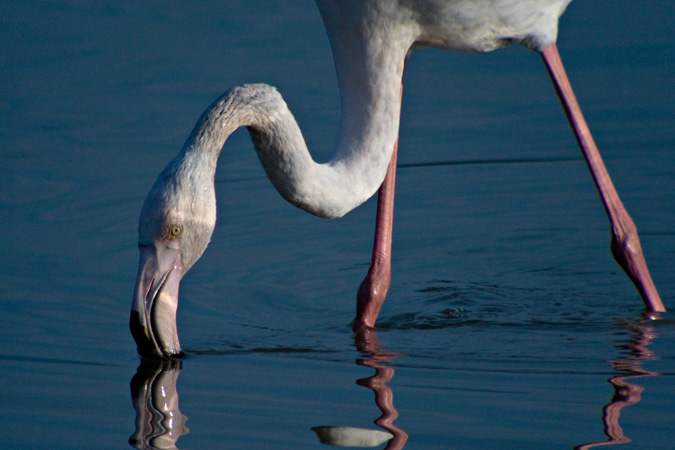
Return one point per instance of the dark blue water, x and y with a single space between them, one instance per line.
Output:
508 325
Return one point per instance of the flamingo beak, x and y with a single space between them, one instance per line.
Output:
153 312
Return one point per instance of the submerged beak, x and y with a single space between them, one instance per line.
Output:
153 312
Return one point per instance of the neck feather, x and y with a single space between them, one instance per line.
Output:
354 172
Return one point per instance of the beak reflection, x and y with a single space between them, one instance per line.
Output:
159 422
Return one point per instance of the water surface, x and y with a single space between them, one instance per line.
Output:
508 325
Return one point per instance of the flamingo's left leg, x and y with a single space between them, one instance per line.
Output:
625 242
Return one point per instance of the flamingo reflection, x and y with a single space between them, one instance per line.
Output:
159 422
626 393
376 358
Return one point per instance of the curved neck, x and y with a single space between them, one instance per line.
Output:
370 85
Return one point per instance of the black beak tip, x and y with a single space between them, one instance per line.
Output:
144 345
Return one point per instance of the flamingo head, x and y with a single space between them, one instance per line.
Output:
175 227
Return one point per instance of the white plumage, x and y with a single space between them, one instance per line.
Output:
370 42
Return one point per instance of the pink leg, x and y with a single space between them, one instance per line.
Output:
374 287
625 242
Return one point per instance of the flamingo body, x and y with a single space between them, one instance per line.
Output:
370 41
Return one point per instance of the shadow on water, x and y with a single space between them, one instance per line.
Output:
159 422
474 162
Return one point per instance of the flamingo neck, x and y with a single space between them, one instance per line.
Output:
352 175
369 78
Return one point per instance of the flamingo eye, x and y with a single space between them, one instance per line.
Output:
176 230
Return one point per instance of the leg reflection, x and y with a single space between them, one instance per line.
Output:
378 359
159 422
626 393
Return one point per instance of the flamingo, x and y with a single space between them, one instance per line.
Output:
370 41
